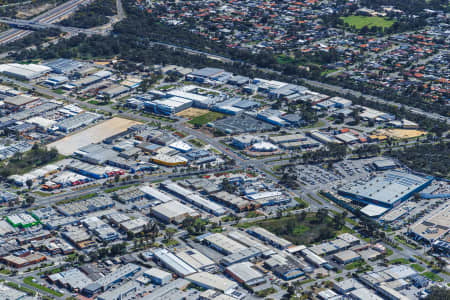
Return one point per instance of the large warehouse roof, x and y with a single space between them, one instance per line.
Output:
173 209
224 243
29 71
387 189
174 263
208 280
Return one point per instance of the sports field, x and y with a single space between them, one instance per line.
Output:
361 21
94 134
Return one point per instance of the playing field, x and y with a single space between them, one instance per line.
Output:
94 134
192 113
402 133
361 21
206 118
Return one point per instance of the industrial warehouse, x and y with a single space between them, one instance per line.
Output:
387 190
167 182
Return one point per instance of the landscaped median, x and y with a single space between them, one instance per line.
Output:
20 288
31 282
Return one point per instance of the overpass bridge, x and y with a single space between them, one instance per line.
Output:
35 25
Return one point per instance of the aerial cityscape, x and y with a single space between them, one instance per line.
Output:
224 150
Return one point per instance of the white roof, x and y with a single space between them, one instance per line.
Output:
263 195
173 209
225 243
188 96
180 145
170 159
372 210
212 281
195 258
245 271
154 193
264 146
42 122
157 273
364 294
174 263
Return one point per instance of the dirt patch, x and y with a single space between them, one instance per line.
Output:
31 11
401 133
94 134
192 113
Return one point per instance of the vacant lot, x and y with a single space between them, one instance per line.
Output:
361 21
402 133
299 230
94 134
192 113
206 118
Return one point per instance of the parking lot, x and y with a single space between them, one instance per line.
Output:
317 176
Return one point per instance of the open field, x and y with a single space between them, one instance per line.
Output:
94 134
206 118
192 112
298 230
361 21
402 133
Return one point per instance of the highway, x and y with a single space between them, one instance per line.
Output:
26 24
49 17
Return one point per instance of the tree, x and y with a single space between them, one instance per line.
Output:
170 232
228 186
321 215
29 200
355 116
29 183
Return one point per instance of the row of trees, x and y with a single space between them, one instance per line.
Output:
335 152
432 159
22 162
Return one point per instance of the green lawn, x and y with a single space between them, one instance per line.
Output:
29 281
59 91
361 21
301 202
117 188
355 264
266 292
21 288
206 118
170 243
432 276
197 142
297 230
417 267
99 102
252 214
402 261
285 59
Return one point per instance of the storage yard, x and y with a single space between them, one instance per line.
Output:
94 134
